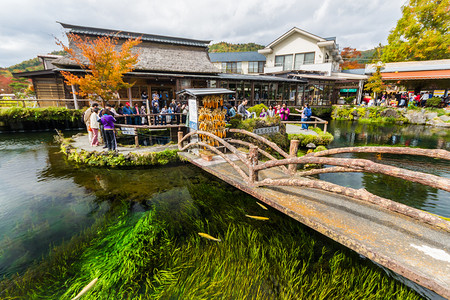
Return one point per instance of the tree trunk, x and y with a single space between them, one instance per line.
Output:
360 194
366 166
434 153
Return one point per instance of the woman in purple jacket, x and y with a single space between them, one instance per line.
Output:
108 125
284 112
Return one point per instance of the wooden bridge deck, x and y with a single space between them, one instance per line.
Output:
406 246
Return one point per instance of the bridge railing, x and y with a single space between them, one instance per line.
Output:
316 121
161 120
250 167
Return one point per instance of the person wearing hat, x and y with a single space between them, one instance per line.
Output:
127 110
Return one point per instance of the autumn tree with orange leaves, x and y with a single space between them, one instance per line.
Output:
349 56
104 63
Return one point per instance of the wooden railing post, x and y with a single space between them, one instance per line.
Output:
325 127
136 138
293 153
180 137
253 157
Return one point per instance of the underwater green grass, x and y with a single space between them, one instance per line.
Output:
158 254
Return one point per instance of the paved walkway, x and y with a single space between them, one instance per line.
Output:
82 142
409 247
294 129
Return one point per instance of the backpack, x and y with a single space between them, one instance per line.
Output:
308 112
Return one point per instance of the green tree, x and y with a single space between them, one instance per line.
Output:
20 86
422 33
229 47
375 83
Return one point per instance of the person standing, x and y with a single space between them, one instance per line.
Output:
108 124
87 119
155 112
263 113
137 118
128 111
164 115
306 116
271 111
178 112
241 109
94 127
284 112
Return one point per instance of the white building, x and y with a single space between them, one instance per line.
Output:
299 50
239 62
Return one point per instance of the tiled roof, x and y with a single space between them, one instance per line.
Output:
76 29
236 56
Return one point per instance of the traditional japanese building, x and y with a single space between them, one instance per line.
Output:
165 65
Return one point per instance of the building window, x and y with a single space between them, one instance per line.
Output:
256 67
231 67
304 59
284 61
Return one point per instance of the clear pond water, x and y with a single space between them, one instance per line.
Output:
348 134
44 200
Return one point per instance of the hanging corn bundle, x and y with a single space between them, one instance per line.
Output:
212 119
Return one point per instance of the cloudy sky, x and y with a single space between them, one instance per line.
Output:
29 28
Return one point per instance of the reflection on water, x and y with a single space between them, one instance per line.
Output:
360 134
348 134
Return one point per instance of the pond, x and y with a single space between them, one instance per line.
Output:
138 232
348 134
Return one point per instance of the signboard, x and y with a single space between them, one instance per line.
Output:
348 90
267 130
438 93
193 114
128 131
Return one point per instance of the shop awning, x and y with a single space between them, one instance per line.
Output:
432 74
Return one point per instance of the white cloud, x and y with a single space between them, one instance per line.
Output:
27 27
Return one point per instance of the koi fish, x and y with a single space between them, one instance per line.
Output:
263 207
85 289
257 218
207 236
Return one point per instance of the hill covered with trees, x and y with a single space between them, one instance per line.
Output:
33 64
230 47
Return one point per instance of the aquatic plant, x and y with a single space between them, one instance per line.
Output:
158 254
115 159
322 138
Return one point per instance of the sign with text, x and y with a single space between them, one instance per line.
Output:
193 114
128 131
267 130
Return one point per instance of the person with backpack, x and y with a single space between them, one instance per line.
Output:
306 116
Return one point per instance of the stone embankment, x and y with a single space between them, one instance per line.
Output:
78 150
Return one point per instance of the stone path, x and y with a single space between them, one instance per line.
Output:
294 129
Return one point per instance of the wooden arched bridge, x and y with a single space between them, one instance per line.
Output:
410 242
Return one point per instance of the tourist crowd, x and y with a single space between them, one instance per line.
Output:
405 100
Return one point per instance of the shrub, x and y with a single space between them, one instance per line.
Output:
320 139
40 114
257 109
433 102
349 100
